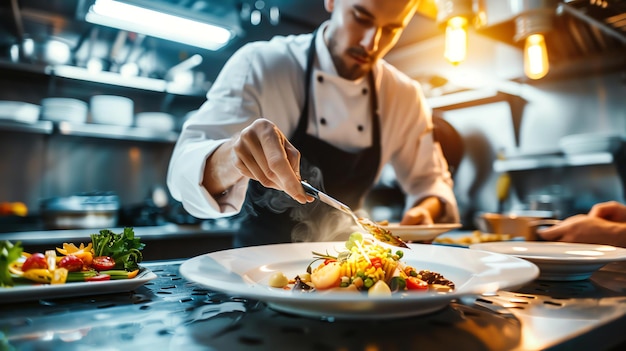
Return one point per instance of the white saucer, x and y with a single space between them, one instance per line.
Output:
423 232
557 260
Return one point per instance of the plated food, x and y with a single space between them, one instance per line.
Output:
246 272
363 266
109 259
474 237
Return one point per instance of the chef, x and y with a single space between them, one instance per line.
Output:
322 107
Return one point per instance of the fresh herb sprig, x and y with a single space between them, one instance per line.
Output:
124 248
9 253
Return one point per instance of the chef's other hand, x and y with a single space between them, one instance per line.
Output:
423 213
610 210
262 152
605 224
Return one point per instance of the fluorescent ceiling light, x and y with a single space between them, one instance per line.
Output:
137 19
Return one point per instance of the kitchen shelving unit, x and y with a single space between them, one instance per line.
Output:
164 88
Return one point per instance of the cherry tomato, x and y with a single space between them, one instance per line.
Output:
102 263
35 261
71 263
413 283
98 278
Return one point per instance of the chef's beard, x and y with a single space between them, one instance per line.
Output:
345 71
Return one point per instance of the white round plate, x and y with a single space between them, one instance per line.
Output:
424 232
245 272
557 260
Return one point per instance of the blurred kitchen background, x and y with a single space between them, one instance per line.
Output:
89 113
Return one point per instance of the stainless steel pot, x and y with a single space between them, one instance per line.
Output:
84 211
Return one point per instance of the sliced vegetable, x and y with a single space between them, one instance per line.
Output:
71 263
83 252
103 263
39 275
98 278
413 283
35 261
51 259
59 276
121 274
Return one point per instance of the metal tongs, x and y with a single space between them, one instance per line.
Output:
367 225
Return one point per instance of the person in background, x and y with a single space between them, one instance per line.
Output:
604 224
322 107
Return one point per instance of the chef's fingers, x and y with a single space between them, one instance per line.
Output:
267 156
558 231
417 215
610 210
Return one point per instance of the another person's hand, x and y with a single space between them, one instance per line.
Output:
262 152
604 224
426 212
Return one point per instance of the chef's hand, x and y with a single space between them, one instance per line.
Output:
424 213
262 152
604 224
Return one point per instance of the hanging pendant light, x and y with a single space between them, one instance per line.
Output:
531 26
455 15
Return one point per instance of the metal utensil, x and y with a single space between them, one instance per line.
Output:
367 225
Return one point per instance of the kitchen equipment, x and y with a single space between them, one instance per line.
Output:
590 143
82 211
155 120
52 50
19 111
369 226
64 109
112 109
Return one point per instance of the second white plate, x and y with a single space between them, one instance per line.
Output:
417 233
558 260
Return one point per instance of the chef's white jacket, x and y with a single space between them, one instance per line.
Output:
266 79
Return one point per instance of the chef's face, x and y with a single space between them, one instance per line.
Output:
362 31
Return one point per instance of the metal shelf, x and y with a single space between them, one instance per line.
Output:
521 163
39 127
103 77
116 132
91 130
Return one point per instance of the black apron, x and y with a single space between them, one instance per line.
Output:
269 216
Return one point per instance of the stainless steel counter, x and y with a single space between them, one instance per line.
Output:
170 313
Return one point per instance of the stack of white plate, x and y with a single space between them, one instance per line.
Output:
112 109
590 143
64 109
155 120
19 111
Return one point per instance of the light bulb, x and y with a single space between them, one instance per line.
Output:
536 63
456 40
